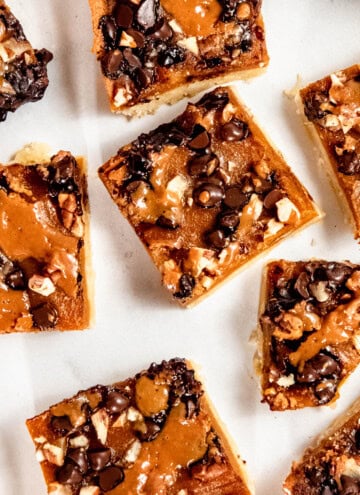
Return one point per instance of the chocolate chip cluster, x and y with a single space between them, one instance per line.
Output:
88 460
23 74
318 288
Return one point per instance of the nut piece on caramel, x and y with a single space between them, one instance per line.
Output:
43 244
331 465
309 329
206 193
158 427
154 52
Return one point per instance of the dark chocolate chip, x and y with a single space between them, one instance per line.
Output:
131 59
69 473
235 198
204 165
146 15
272 198
319 366
152 431
112 64
325 390
45 316
16 280
338 272
3 182
116 402
98 458
79 457
235 130
139 168
123 15
216 239
201 138
109 31
357 439
208 195
186 286
349 163
228 221
164 31
138 37
110 477
143 78
171 55
301 285
60 425
167 223
213 101
349 486
313 102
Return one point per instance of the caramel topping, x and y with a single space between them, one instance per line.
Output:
196 17
14 310
151 397
181 442
337 327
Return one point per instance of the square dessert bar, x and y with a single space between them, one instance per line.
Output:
157 51
206 193
332 465
309 331
23 72
331 108
155 433
43 252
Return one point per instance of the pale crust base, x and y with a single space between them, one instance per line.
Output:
37 153
226 441
325 163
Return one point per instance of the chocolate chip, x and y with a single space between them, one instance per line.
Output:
79 457
338 272
112 64
272 198
349 486
45 316
16 280
228 221
152 431
60 425
320 366
313 102
167 223
143 78
301 285
139 168
171 55
110 477
131 59
109 31
123 15
325 390
235 130
116 402
328 490
186 286
349 163
3 182
234 198
69 473
146 16
164 31
213 101
139 38
201 138
216 239
98 458
208 195
357 439
203 165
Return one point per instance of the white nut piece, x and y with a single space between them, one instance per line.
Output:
55 454
122 97
90 490
189 44
175 26
273 227
287 212
41 285
101 421
58 489
319 291
79 441
133 452
127 40
286 381
176 188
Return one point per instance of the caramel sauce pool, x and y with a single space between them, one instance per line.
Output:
196 17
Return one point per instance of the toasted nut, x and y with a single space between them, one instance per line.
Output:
57 489
127 40
228 113
175 26
90 490
41 285
318 290
133 452
286 381
67 219
77 228
55 454
243 11
122 96
67 202
197 260
79 441
273 227
287 211
190 44
291 327
39 455
100 420
176 188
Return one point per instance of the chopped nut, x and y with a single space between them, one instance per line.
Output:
67 219
79 441
332 121
262 169
100 420
133 452
319 291
41 285
189 44
127 40
90 490
122 97
77 228
291 327
197 260
175 26
55 454
287 212
243 11
39 454
57 489
286 381
273 227
67 202
176 189
228 112
171 274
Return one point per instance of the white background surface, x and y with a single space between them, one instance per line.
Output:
136 323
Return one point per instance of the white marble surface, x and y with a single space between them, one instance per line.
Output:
135 321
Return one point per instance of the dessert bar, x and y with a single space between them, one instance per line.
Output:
309 337
331 109
206 193
155 433
23 72
157 51
332 465
43 245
